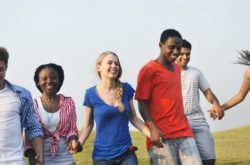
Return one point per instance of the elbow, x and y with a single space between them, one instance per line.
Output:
240 98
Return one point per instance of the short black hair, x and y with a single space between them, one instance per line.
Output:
57 68
4 55
169 33
186 44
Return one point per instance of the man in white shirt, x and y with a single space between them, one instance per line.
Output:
192 80
16 113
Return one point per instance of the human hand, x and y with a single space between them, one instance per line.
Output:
74 146
156 137
32 158
212 114
38 160
216 113
222 114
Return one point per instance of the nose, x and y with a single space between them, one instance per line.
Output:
49 80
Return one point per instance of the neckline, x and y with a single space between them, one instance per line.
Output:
95 91
41 105
164 68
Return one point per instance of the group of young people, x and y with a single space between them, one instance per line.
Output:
167 92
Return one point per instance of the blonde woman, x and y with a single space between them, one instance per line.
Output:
110 105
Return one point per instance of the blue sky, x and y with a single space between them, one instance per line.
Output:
73 33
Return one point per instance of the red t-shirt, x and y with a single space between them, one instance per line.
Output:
162 89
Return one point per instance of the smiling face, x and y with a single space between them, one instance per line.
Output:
108 67
48 81
170 49
184 57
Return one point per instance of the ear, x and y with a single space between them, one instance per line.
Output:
160 44
98 68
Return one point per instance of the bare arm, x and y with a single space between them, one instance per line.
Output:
241 94
155 134
136 121
86 130
37 144
218 113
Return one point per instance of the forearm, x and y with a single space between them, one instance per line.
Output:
232 102
85 134
141 126
37 144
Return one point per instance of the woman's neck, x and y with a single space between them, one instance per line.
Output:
108 84
51 98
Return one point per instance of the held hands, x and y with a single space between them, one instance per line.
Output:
33 158
156 137
216 113
74 146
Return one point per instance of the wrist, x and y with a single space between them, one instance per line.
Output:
72 137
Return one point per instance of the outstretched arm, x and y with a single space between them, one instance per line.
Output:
241 94
136 121
86 130
155 133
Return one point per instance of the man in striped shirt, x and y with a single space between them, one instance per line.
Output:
192 80
16 113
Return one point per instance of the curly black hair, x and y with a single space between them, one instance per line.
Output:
56 67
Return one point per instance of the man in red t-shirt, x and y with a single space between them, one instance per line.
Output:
160 103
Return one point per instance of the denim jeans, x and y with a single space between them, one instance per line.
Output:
127 158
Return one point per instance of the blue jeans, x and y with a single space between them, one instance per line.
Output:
127 158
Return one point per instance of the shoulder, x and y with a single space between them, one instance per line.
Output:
149 65
20 89
127 86
90 90
148 70
65 98
193 69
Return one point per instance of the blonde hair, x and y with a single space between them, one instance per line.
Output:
117 79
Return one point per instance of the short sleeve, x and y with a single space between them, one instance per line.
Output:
203 83
144 84
128 90
87 101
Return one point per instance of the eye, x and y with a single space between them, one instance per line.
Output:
116 63
43 78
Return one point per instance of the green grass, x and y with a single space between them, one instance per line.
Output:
232 148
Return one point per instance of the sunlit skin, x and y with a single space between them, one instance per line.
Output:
3 69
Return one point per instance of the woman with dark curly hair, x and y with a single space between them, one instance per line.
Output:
57 115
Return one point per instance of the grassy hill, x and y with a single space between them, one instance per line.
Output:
232 148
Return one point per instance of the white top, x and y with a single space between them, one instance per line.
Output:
192 80
11 144
50 120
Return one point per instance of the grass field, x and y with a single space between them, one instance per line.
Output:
232 148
